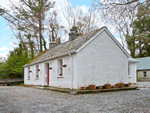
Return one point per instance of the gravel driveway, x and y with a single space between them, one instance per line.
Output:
16 99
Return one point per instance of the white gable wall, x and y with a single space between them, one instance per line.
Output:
101 61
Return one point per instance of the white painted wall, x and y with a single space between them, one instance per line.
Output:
33 79
101 61
64 81
132 78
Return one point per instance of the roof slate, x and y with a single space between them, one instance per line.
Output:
66 47
144 63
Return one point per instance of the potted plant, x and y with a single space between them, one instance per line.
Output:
117 85
112 86
92 87
87 88
82 88
50 68
60 74
104 87
30 71
97 87
108 86
100 87
126 85
129 84
122 84
38 70
64 65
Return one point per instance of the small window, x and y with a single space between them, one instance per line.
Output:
128 69
144 73
29 71
60 67
37 71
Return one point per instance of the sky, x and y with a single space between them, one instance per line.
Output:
7 39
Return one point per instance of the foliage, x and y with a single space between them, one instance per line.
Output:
139 41
37 56
74 28
12 68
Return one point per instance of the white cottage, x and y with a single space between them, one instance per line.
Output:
95 58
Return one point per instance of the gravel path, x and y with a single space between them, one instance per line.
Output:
16 99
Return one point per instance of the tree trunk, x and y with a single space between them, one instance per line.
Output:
40 34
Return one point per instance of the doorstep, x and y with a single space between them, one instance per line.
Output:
74 92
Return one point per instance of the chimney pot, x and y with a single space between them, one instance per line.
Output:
52 45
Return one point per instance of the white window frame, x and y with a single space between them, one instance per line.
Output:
129 72
60 69
28 73
37 72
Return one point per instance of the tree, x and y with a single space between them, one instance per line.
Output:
29 19
85 21
12 68
54 28
141 30
120 16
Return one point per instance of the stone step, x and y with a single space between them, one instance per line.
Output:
137 85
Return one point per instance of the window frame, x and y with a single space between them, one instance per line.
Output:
60 69
28 73
129 72
144 74
37 72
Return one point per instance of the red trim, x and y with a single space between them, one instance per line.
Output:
47 74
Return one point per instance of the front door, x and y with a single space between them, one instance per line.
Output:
47 74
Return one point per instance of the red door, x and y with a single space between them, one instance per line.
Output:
47 74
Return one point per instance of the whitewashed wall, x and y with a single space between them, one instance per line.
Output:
100 62
64 81
33 79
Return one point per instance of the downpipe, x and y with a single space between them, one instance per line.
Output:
72 72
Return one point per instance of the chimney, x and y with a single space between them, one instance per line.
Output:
73 33
52 45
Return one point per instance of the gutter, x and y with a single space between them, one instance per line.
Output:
71 73
55 57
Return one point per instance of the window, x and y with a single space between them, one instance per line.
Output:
37 71
144 73
128 69
29 71
60 67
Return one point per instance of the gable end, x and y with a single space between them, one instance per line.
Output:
112 37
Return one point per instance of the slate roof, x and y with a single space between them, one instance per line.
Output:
144 63
66 47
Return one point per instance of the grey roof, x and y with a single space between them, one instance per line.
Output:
67 47
144 63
